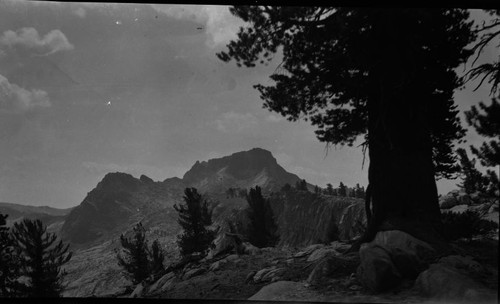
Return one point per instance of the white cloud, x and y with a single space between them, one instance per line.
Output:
80 12
232 122
54 41
13 98
220 25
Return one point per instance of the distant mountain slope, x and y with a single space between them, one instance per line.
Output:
121 200
52 217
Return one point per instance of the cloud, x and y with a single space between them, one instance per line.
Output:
54 41
13 98
232 122
80 12
220 25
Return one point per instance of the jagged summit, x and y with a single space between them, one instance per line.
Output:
255 167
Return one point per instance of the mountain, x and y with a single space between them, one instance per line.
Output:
52 217
256 167
120 200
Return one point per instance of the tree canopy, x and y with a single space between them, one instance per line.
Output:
329 55
385 75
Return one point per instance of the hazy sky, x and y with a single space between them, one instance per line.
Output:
87 89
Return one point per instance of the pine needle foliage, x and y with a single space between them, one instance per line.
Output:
41 258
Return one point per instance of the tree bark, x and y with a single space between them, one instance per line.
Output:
403 192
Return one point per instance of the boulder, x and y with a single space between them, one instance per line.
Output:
308 250
250 249
461 262
321 253
193 272
448 201
408 254
331 266
223 244
339 246
137 293
261 273
216 265
459 208
159 283
376 271
444 282
278 290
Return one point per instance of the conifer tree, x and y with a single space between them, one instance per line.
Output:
262 225
383 75
194 218
472 179
41 258
156 257
329 189
9 263
135 260
342 190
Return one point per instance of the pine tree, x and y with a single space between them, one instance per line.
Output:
342 190
135 260
156 257
329 189
359 73
41 259
488 125
317 190
303 185
262 225
472 179
194 217
9 262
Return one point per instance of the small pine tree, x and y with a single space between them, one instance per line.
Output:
135 260
329 189
9 262
194 217
262 225
41 259
342 191
472 179
317 190
156 257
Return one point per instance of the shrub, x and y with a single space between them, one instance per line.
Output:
466 225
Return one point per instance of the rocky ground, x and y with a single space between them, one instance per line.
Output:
322 273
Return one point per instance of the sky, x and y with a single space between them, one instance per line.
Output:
87 89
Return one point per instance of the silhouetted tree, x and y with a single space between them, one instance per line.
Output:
488 70
301 185
488 125
329 189
9 262
156 257
358 72
317 190
472 179
342 190
41 258
135 260
359 191
194 217
262 232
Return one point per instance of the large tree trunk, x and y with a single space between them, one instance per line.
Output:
403 192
